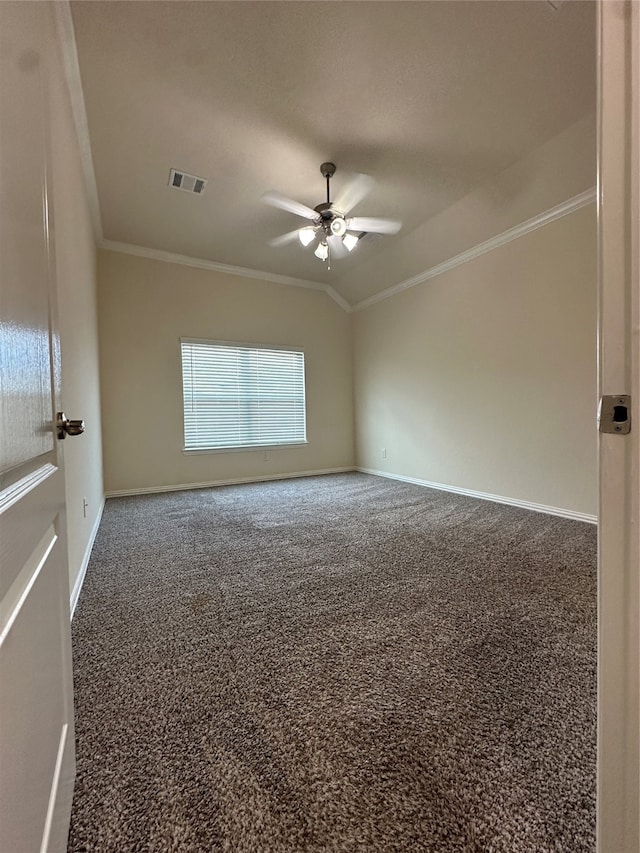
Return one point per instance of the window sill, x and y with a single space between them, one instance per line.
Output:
258 448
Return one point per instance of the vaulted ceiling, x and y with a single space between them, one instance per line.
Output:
430 99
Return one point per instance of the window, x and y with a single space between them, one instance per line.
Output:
241 396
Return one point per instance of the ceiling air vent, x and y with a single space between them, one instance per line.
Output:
188 183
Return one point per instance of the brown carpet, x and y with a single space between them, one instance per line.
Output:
340 663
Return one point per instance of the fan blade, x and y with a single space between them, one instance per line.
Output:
353 193
338 249
284 238
275 199
374 224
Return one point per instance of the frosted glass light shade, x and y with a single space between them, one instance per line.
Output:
306 235
338 226
350 241
322 251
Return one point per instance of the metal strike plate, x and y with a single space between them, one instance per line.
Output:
614 415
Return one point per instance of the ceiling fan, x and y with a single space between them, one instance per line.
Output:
331 228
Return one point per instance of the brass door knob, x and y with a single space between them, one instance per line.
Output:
66 427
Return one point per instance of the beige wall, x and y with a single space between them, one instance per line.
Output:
77 312
484 378
146 306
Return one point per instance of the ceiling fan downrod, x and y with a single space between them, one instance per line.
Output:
328 170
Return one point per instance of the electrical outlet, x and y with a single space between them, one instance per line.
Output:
266 456
383 453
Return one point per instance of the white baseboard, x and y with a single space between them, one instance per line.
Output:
549 510
75 592
238 481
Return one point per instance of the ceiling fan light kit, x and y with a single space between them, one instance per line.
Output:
337 232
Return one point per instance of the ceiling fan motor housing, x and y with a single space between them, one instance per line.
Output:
325 210
331 220
328 213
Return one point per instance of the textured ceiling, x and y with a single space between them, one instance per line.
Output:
428 98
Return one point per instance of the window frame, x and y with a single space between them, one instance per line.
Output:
194 451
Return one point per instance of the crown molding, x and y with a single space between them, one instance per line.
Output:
66 35
545 218
337 298
215 266
67 39
548 216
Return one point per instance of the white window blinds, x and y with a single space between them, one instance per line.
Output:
241 396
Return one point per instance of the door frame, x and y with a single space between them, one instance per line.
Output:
618 200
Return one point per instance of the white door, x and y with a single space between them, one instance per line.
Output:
619 373
37 763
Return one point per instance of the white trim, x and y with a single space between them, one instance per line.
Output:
75 592
237 481
53 794
66 35
243 344
549 510
22 585
545 218
618 618
215 266
64 24
485 496
560 210
337 298
18 490
243 448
